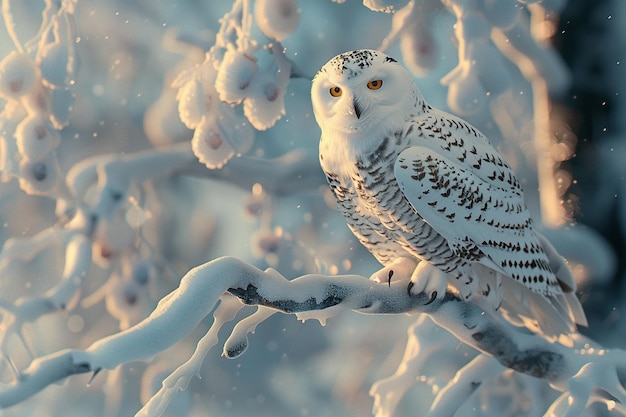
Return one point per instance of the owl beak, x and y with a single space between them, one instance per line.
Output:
357 108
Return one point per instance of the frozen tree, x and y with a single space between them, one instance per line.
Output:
138 141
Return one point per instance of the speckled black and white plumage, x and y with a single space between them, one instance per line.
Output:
421 187
353 63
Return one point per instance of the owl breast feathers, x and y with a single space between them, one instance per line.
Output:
420 187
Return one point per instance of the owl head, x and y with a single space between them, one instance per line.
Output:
363 91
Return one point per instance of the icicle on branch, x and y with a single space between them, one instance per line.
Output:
584 373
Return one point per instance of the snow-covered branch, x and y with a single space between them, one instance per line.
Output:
287 174
576 372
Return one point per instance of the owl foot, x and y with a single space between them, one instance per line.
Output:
428 279
400 269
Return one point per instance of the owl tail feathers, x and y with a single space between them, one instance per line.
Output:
547 315
568 300
574 308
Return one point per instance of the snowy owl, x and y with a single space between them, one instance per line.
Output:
431 199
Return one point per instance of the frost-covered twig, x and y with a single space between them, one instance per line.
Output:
180 378
10 25
388 392
60 297
581 373
287 174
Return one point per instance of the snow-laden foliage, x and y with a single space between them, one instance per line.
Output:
138 141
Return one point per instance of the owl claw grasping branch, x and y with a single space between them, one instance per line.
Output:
432 200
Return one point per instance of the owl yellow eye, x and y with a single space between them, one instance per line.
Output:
335 91
375 84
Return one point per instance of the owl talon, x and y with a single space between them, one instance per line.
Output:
408 287
400 268
428 279
433 297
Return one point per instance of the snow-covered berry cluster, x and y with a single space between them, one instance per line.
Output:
231 75
36 83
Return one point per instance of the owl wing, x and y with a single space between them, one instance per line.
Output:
459 184
463 188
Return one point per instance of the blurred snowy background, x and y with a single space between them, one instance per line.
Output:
85 85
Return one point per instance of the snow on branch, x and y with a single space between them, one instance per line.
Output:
287 174
584 373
